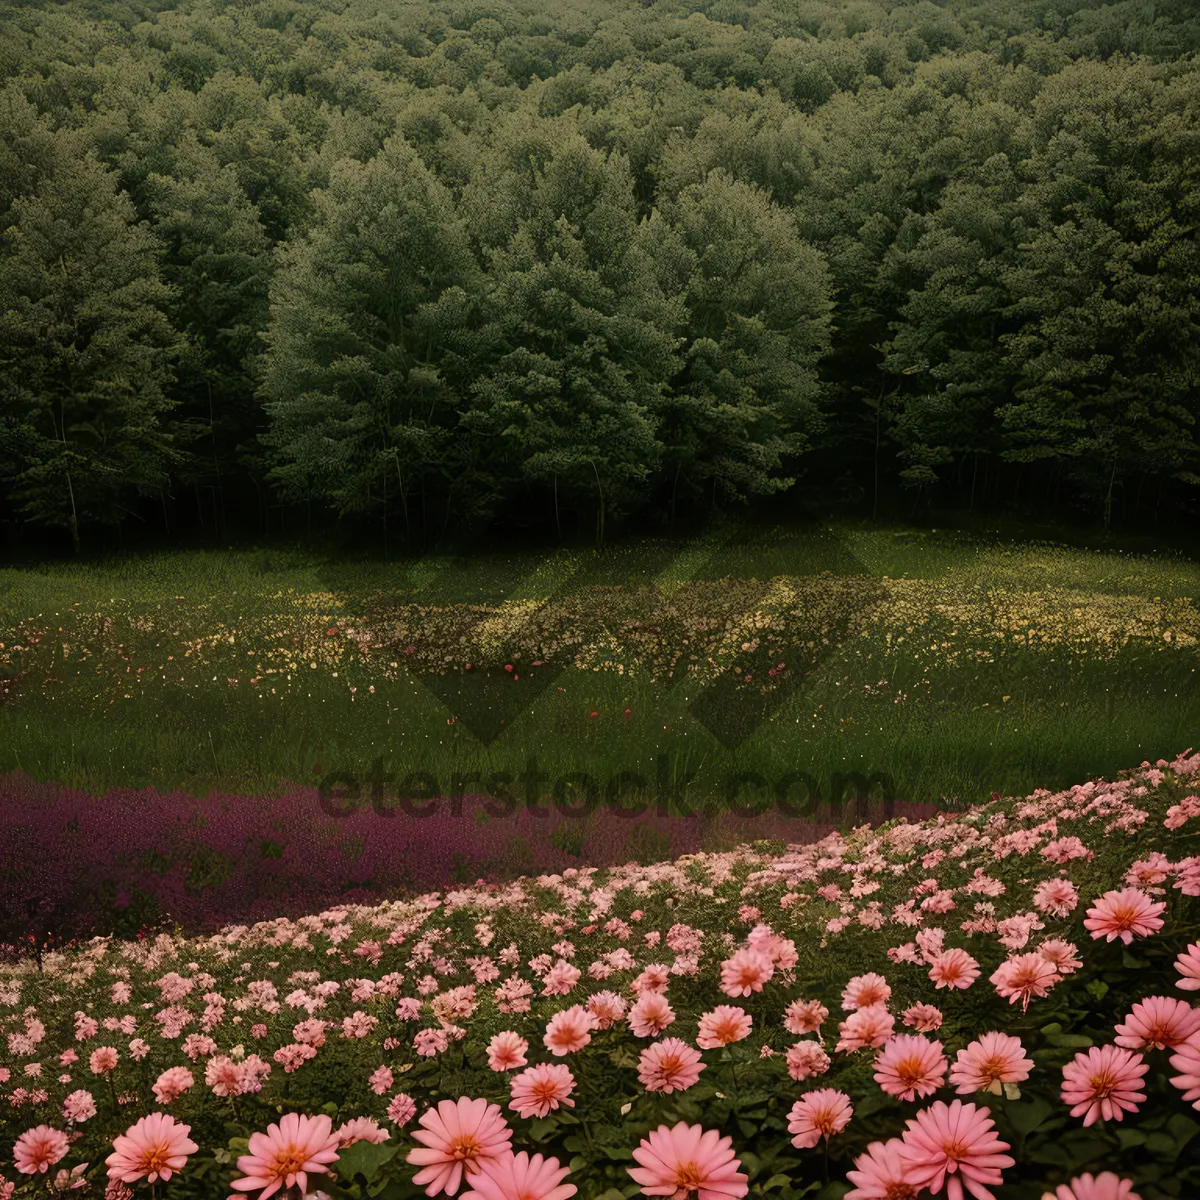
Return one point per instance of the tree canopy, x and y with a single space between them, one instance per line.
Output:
413 265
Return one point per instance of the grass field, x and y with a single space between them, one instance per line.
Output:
954 663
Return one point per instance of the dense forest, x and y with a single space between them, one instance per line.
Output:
414 265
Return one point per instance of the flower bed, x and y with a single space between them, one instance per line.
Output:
993 1004
130 857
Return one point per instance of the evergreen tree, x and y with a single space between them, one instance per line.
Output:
580 341
359 411
757 322
86 350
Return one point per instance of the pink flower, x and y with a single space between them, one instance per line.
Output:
540 1089
988 1063
1186 1060
806 1059
103 1060
1158 1022
1094 1187
924 1018
506 1051
429 1043
519 1177
381 1079
172 1083
724 1024
38 1149
607 1007
457 1136
669 1066
745 972
79 1106
650 1015
954 969
882 1174
954 1146
1103 1082
401 1110
804 1016
1060 955
866 1027
560 979
686 1162
1058 897
1024 977
154 1148
863 991
569 1030
1124 914
1188 966
818 1115
910 1066
360 1129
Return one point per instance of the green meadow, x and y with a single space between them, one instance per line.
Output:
954 662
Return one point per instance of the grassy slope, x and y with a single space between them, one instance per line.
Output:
957 664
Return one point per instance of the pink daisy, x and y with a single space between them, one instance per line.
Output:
1103 1082
172 1083
79 1106
805 1059
954 1146
924 1018
360 1129
818 1115
1188 966
1061 955
540 1089
883 1173
103 1060
1094 1187
1024 977
402 1109
745 972
669 1066
724 1024
1186 1060
569 1030
1124 914
154 1148
910 1066
954 969
686 1162
866 1027
1158 1022
804 1016
519 1177
1057 897
506 1051
650 1015
457 1136
607 1007
38 1149
988 1063
863 991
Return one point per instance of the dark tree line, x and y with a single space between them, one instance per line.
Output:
416 265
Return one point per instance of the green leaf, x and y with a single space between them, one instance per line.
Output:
776 1181
365 1159
1097 988
1028 1115
1072 1041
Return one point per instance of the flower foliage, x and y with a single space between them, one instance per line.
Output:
992 999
